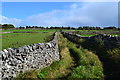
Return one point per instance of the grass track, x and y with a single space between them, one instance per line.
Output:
60 68
36 30
89 65
86 64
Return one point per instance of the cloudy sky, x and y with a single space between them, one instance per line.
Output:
72 14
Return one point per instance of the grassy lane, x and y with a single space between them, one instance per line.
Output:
78 63
88 64
60 68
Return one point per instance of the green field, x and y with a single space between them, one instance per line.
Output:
35 30
14 40
31 30
95 32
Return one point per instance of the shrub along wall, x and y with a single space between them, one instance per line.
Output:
34 56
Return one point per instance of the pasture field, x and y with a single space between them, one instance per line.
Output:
35 30
21 38
30 30
14 40
95 32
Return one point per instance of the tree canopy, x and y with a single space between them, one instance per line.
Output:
7 26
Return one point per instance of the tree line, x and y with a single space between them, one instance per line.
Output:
11 26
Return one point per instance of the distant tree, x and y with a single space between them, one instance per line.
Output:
68 27
21 27
80 28
0 26
7 26
27 27
73 28
111 27
86 28
98 28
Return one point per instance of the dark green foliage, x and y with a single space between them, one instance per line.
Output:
111 28
7 26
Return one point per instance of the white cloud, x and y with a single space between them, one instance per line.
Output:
5 20
74 6
92 14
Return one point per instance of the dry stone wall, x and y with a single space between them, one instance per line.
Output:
117 38
34 56
108 40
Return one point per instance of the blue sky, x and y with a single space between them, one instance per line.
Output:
60 13
22 10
